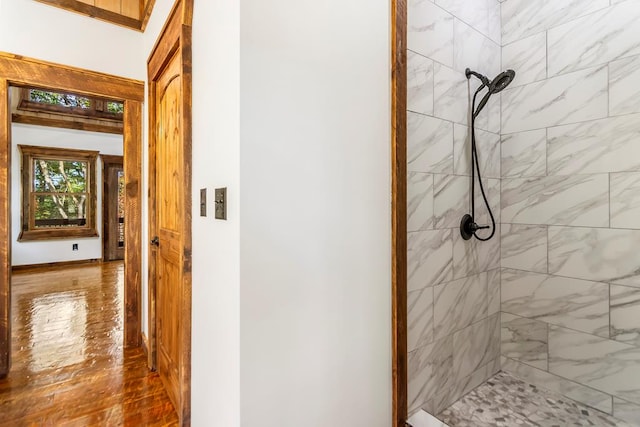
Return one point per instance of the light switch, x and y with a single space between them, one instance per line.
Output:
221 203
203 202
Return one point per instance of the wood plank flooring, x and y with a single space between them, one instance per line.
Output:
68 363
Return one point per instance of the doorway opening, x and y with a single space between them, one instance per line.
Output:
113 203
22 72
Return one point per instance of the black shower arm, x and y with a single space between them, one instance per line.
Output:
484 79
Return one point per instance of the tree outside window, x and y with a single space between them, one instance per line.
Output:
58 192
46 101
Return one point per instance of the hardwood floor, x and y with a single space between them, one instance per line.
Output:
68 363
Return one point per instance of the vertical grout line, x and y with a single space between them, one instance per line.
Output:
609 311
433 88
546 53
453 269
548 265
453 42
500 192
433 314
548 346
487 295
612 406
609 89
546 173
433 202
546 152
609 178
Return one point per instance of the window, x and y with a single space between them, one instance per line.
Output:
58 193
47 101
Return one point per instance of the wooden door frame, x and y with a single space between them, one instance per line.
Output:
175 38
399 210
16 70
107 161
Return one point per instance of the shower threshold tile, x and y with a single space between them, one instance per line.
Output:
424 419
505 401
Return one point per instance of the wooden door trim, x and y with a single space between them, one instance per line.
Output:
133 224
24 71
399 210
107 162
21 71
5 229
175 37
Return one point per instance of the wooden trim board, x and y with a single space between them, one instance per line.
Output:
109 206
49 265
65 124
23 71
146 14
5 228
399 209
133 224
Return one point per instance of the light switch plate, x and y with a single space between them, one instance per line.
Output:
203 202
221 203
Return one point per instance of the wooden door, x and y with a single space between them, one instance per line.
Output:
169 217
169 69
112 208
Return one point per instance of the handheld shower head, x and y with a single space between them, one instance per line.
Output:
496 85
468 226
501 81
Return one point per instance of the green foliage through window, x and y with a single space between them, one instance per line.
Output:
61 99
60 192
68 100
115 107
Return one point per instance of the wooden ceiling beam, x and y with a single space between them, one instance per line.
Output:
133 14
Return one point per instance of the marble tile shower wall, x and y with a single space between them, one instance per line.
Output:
453 286
570 199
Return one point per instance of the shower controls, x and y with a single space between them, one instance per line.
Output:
468 227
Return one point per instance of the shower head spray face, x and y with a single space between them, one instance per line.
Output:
501 81
498 84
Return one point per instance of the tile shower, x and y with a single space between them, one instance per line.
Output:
554 298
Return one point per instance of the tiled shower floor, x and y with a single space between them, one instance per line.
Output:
506 401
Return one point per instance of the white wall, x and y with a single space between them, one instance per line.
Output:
315 236
216 244
26 253
216 255
44 32
315 213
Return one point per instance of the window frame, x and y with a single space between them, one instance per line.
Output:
97 109
29 233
